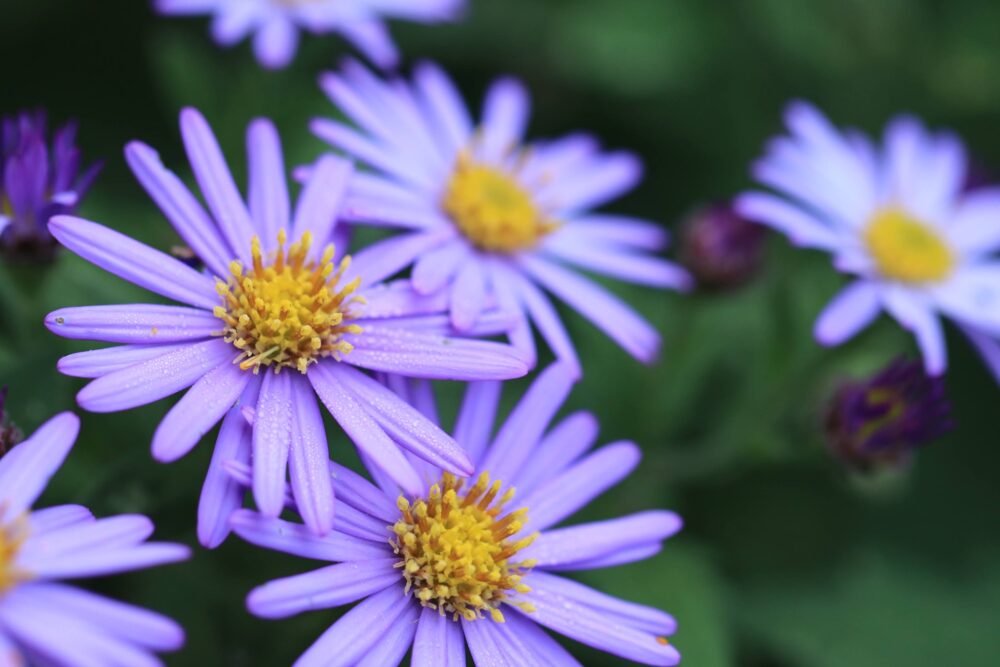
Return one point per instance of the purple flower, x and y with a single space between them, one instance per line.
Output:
485 215
721 248
880 421
36 182
45 622
463 562
280 301
275 24
899 218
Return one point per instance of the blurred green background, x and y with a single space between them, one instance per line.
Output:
786 560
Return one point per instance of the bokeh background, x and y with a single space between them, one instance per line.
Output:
786 559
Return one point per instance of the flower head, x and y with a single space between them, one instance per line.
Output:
881 420
474 562
275 24
485 214
266 328
43 621
897 216
721 248
37 181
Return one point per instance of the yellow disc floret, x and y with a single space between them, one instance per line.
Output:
907 249
457 551
492 209
290 312
12 537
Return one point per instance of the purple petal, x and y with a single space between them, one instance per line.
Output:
364 431
606 311
326 588
618 230
124 530
801 228
127 622
101 562
527 423
918 318
272 438
398 299
435 268
563 445
368 151
320 201
613 559
397 350
216 183
403 423
505 117
564 546
593 182
276 42
268 190
439 641
221 495
152 380
55 518
850 311
133 323
468 295
198 411
134 261
549 324
180 207
384 259
361 494
564 494
298 540
98 363
594 625
521 337
26 469
474 424
393 646
622 264
444 104
308 462
359 630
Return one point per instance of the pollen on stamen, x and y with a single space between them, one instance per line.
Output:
457 552
492 209
291 311
12 537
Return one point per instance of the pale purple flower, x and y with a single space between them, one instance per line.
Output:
270 307
899 218
412 565
37 181
275 24
44 621
485 214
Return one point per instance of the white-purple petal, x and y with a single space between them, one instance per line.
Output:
325 588
25 470
137 323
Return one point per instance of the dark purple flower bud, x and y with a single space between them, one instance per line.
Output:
877 423
10 434
720 248
38 179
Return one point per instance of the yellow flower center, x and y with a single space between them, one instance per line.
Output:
492 209
907 249
456 550
291 312
12 537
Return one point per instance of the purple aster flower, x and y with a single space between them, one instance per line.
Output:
36 182
465 562
45 622
486 215
721 248
275 24
878 422
284 319
897 217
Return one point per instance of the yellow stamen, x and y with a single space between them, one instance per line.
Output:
288 313
455 555
492 209
907 249
12 536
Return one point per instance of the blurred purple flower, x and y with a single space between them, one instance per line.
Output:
275 24
484 214
270 307
414 591
36 182
899 218
880 421
44 622
720 248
